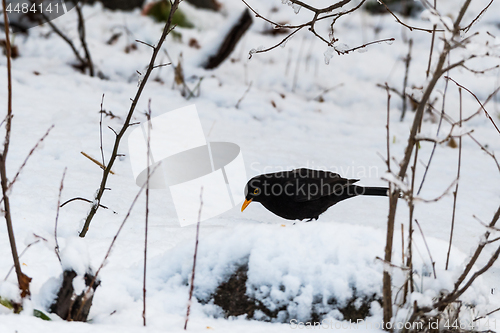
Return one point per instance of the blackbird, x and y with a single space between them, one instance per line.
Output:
303 193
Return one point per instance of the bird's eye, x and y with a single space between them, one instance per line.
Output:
256 191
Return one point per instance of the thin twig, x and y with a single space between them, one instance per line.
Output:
402 244
390 264
441 116
433 263
140 41
84 62
326 91
456 187
38 239
467 28
436 199
411 206
299 56
194 261
477 99
28 156
162 65
86 200
284 40
482 71
311 24
405 81
387 40
388 134
237 106
81 33
430 51
490 96
56 249
147 216
493 240
96 161
411 28
486 315
100 135
64 37
111 128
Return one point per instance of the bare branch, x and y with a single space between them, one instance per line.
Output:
22 279
100 135
275 46
311 25
405 81
113 130
411 28
477 99
490 96
191 288
467 28
83 41
475 71
84 62
244 94
321 10
29 155
364 45
64 37
126 124
486 315
140 41
56 249
38 239
146 224
433 263
95 161
446 192
86 200
455 193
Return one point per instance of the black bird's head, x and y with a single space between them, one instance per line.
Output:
253 191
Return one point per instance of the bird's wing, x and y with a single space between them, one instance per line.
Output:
307 185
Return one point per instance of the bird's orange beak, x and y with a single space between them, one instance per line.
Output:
245 204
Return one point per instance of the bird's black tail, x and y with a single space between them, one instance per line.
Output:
379 191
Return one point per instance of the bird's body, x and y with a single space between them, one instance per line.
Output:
303 193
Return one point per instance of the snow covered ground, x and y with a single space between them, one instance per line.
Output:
280 124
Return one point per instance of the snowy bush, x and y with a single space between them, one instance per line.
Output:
307 272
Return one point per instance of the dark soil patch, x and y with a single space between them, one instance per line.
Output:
231 296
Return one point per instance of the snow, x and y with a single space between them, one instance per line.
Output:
279 125
75 256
